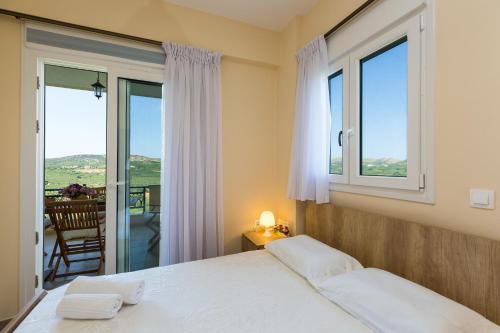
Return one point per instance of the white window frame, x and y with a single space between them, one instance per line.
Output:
417 24
410 29
343 65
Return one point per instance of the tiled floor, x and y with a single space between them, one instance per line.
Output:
140 234
49 240
140 257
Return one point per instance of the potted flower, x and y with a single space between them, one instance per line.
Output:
78 192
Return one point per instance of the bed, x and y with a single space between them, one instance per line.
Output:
260 291
247 292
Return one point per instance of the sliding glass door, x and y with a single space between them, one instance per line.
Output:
111 142
138 174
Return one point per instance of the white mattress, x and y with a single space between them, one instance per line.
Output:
247 292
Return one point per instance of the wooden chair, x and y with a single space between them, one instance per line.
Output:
154 210
101 194
78 231
18 319
47 224
101 191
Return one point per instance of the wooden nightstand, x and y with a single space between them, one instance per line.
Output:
254 240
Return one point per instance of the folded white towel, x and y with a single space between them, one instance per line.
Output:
89 306
131 290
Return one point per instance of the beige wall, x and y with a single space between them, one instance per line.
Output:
249 121
10 85
249 98
467 111
286 109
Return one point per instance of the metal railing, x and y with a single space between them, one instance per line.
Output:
137 196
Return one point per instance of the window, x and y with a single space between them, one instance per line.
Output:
380 102
336 108
383 129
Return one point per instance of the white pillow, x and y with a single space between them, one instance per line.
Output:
312 259
388 303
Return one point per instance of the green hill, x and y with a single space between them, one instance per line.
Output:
375 167
384 167
91 170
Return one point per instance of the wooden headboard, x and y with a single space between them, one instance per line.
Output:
462 267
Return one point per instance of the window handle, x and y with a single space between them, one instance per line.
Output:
339 139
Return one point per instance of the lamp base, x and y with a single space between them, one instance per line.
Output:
268 232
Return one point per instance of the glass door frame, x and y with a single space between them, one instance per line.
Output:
34 57
123 168
114 74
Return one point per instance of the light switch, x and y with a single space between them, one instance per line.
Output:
480 198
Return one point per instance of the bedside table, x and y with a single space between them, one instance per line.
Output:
254 240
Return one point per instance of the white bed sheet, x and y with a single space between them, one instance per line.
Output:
246 292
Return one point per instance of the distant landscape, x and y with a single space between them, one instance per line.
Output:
91 170
375 167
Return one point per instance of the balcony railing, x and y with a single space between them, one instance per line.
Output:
137 196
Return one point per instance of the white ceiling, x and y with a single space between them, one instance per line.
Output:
269 14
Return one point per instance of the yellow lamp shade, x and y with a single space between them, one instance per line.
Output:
267 219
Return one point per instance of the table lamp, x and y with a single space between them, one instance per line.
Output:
267 221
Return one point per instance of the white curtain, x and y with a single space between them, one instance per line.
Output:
309 165
191 210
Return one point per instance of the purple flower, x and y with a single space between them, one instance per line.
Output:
76 190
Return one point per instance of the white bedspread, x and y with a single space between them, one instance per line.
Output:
247 292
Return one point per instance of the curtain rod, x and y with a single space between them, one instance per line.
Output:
19 15
349 18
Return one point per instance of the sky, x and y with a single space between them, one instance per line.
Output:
384 106
145 126
75 123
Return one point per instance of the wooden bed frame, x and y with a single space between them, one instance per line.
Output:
462 267
25 311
